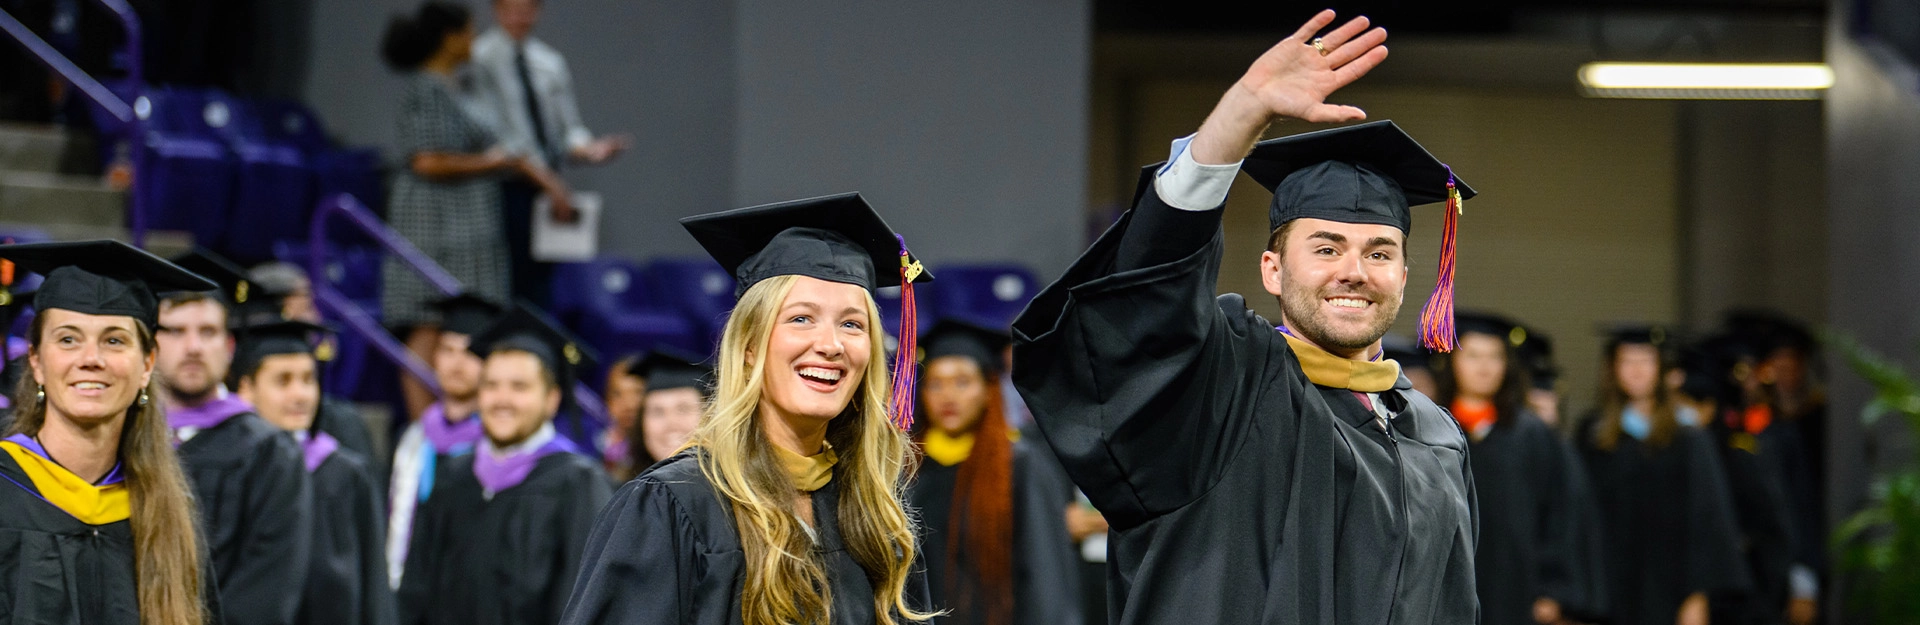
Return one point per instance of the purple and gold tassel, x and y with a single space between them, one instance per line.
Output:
906 356
1436 319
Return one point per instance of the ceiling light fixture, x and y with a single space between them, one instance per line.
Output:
1707 81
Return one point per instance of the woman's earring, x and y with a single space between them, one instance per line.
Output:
143 397
40 395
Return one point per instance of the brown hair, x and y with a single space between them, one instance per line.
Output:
980 522
174 300
1508 401
1613 402
1277 240
166 549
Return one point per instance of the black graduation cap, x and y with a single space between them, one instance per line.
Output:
268 287
670 369
1405 351
233 286
1769 331
466 313
1492 325
1709 365
838 238
274 338
1536 354
1635 334
1368 173
959 337
529 330
102 277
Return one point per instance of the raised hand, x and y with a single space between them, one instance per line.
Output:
1292 79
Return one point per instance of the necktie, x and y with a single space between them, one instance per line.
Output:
538 121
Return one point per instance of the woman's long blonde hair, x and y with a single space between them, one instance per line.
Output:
786 575
166 550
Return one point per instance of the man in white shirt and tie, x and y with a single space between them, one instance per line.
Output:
531 89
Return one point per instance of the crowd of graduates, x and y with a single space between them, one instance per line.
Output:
171 457
1690 488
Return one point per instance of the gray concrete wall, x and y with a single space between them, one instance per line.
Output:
965 124
956 121
1873 148
661 71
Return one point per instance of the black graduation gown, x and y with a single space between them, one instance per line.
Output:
1540 532
339 419
511 560
348 583
251 485
56 570
666 551
1670 529
1238 491
1761 477
1045 565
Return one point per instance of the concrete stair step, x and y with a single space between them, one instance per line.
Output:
47 198
165 243
46 149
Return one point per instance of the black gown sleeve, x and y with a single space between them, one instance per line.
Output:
265 584
1046 578
210 583
638 562
1712 562
339 419
574 525
415 597
1573 565
377 603
1139 378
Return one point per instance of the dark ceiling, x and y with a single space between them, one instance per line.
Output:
1432 17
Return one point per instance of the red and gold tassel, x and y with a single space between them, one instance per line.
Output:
1436 319
906 356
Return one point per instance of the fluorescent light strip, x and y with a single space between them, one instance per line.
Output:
1712 81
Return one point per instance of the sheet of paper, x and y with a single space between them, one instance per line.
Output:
556 242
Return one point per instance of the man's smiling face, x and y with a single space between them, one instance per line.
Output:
1339 284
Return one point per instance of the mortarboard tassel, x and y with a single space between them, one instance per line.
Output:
1436 319
906 356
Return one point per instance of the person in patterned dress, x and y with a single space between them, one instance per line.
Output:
446 199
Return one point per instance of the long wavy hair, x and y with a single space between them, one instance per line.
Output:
1613 402
166 549
1508 400
980 521
786 575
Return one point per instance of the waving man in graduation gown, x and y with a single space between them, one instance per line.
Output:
1256 472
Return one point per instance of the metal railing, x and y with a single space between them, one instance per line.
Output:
337 305
129 113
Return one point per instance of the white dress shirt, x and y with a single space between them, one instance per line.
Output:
498 78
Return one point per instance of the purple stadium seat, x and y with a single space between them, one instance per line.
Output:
698 288
189 179
925 297
606 302
335 169
991 295
273 193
